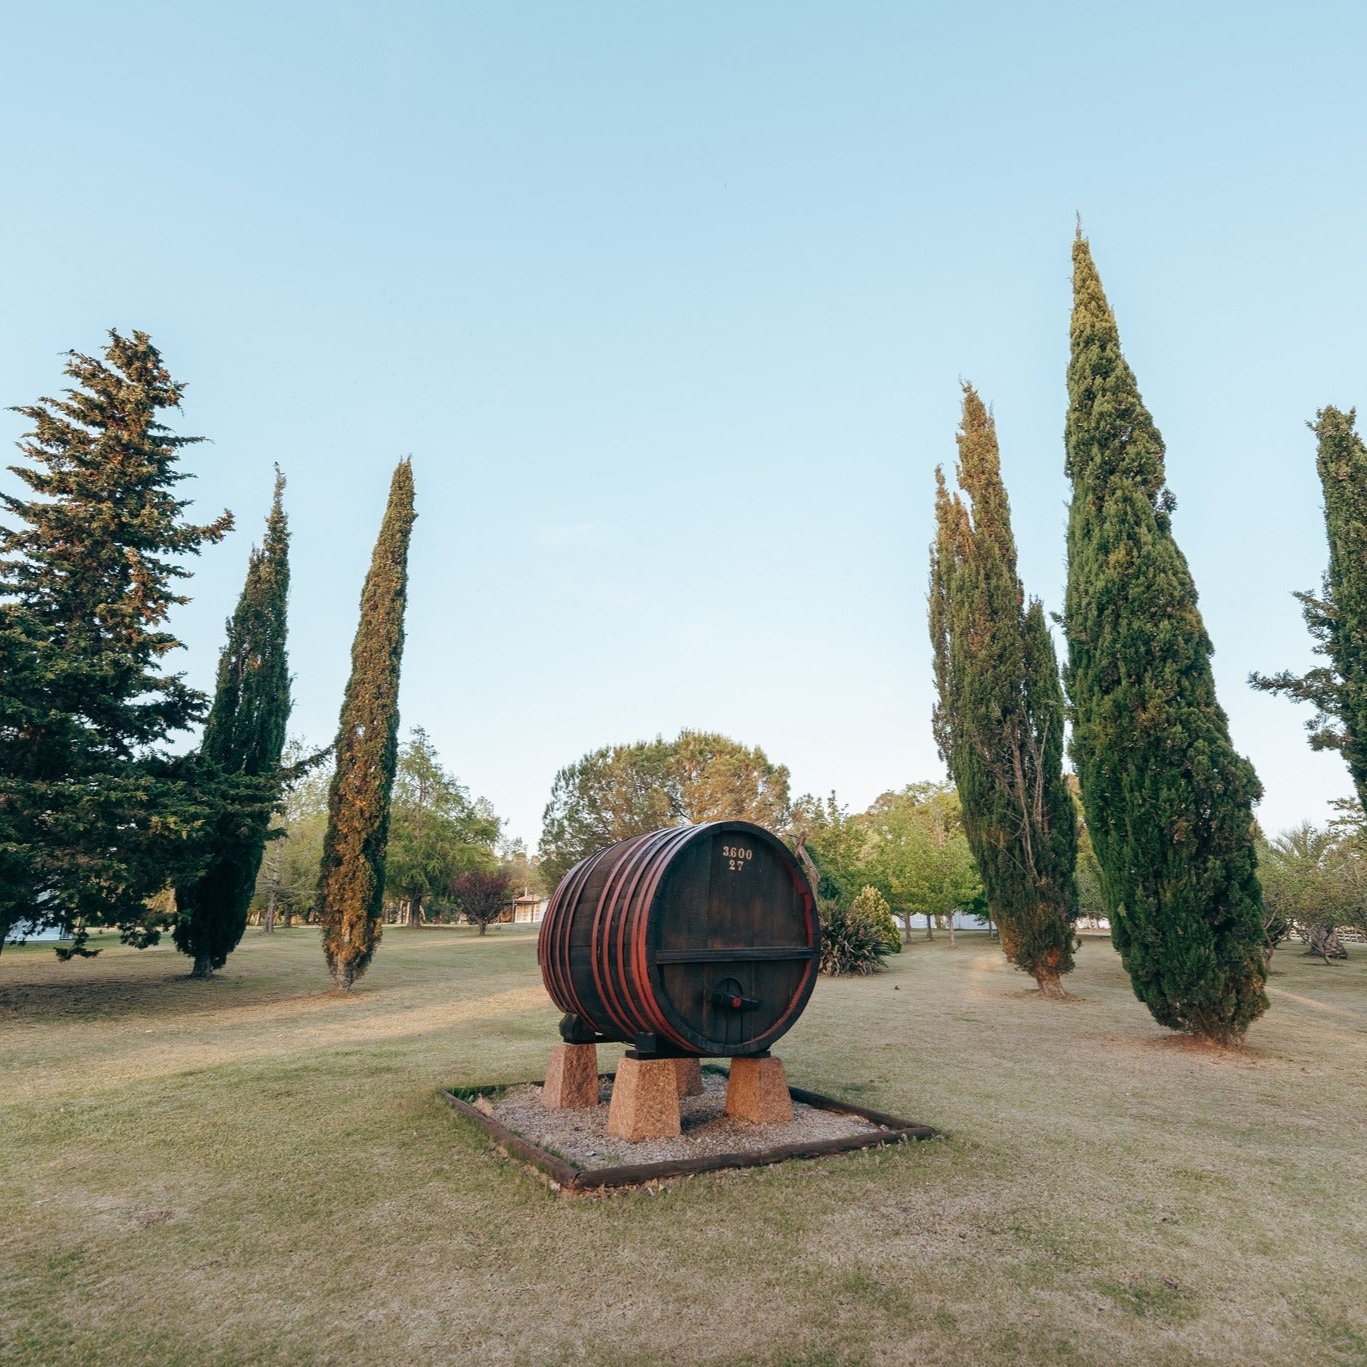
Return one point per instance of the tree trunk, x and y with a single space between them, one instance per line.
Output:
930 926
483 926
203 968
1325 944
800 849
1050 984
415 912
343 975
952 942
273 884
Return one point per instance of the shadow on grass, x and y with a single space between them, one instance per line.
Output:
122 983
137 994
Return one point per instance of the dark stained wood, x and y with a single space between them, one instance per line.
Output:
538 1157
639 938
628 1174
827 1103
732 954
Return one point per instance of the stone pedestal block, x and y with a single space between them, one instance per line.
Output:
689 1072
571 1078
645 1100
757 1091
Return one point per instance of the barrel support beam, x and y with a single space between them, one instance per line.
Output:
571 1078
645 1100
757 1091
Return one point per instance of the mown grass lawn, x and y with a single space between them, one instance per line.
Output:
254 1170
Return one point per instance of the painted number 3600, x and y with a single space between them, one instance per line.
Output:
736 856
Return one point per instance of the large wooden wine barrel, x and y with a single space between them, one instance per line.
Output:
694 940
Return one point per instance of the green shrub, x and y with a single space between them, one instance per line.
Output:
854 937
876 906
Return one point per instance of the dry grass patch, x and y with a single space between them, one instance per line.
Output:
255 1169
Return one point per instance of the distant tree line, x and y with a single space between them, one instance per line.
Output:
905 857
909 847
624 790
438 834
1314 881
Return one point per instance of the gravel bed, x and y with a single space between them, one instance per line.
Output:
582 1138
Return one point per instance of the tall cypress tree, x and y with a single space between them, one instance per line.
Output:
1337 618
93 811
999 722
351 877
244 738
1169 803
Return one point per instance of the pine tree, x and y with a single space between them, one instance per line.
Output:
22 691
1169 803
1337 618
244 738
999 722
93 814
350 900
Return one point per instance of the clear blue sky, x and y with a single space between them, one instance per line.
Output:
669 304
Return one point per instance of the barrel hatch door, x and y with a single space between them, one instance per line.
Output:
733 939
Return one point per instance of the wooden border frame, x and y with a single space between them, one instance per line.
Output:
571 1180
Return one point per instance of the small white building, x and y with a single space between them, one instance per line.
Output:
528 909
